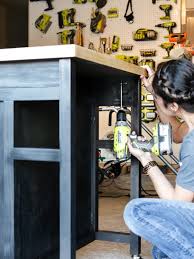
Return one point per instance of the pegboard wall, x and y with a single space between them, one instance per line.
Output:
146 14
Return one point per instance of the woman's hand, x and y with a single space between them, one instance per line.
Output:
148 81
143 157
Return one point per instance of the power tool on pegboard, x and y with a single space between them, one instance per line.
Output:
67 36
160 144
168 46
149 62
166 8
145 34
167 25
148 109
98 21
154 1
121 133
43 23
115 43
129 59
147 52
66 17
79 1
179 38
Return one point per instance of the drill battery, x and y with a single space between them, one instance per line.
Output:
160 144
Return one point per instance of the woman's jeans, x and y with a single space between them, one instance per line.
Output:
168 225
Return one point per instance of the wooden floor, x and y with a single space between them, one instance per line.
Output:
114 197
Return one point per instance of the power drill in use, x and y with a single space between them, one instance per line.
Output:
160 144
121 133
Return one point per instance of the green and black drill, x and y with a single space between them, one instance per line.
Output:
161 142
121 134
167 25
166 8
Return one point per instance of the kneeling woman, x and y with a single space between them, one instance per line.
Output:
168 222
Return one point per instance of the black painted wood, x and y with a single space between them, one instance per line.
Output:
135 183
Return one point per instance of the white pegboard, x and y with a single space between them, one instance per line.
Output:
147 15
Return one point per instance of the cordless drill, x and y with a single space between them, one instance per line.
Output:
66 17
67 36
168 46
160 144
167 25
154 1
166 8
121 132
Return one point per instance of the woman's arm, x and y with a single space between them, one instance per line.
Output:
163 187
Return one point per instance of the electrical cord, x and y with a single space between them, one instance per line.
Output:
110 196
147 193
107 184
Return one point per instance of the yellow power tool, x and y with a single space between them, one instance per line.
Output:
121 134
160 144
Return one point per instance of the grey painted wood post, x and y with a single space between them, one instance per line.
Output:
67 170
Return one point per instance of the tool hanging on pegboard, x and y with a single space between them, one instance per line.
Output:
43 23
149 62
129 17
178 37
115 43
145 34
79 1
166 8
167 25
129 59
98 21
79 38
67 36
147 52
148 109
168 46
154 1
113 13
66 17
49 3
126 47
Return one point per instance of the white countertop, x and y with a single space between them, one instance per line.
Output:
66 51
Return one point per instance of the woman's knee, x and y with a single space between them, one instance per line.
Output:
130 214
136 211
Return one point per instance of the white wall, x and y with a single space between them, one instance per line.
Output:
189 4
146 15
